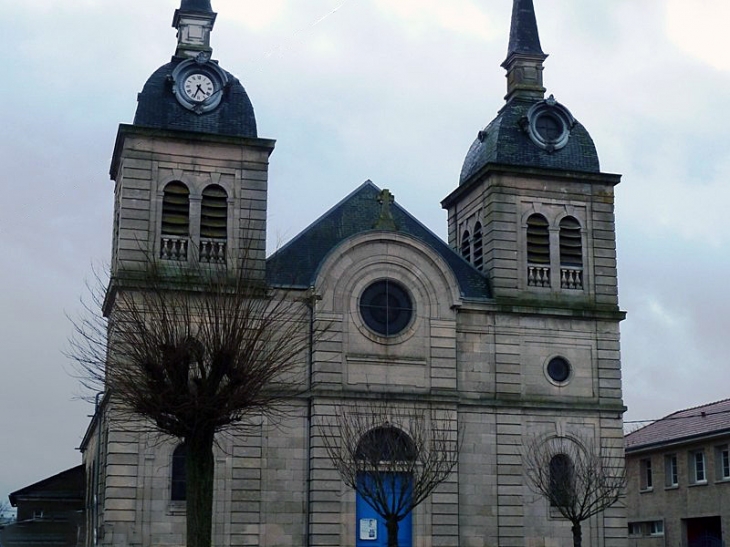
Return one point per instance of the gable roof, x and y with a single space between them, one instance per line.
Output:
297 263
66 485
683 426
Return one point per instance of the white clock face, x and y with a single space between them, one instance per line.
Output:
198 87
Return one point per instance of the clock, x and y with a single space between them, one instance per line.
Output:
198 84
198 87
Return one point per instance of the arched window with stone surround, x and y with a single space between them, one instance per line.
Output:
213 224
177 474
175 228
562 480
571 254
538 251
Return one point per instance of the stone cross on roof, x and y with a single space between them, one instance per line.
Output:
385 220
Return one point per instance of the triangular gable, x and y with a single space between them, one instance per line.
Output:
296 264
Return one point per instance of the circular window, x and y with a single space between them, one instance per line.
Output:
549 127
386 307
558 369
548 124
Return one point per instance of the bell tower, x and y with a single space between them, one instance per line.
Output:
533 210
191 172
535 214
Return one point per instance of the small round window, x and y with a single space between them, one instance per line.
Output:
558 370
386 307
549 127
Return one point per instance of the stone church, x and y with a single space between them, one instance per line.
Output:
511 326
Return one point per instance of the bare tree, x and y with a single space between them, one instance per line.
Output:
578 478
392 454
193 350
6 513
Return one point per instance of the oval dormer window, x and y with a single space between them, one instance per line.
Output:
548 123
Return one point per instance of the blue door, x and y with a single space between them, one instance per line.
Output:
370 527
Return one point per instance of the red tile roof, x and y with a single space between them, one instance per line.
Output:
684 425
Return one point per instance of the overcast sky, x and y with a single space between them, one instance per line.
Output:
388 90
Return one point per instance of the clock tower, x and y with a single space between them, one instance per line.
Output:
190 172
190 188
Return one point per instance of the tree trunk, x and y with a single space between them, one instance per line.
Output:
392 525
199 471
577 535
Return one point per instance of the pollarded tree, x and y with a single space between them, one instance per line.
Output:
194 350
578 478
393 455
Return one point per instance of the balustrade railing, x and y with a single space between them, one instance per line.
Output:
538 276
213 251
571 278
174 248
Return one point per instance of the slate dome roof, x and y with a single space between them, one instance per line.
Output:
505 141
157 107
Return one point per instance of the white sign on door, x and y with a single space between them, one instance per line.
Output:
368 529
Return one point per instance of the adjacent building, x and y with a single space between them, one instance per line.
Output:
49 512
679 479
511 327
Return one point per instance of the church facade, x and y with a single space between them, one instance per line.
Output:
511 327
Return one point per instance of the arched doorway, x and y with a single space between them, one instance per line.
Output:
382 489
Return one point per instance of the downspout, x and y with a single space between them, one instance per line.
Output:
97 469
310 411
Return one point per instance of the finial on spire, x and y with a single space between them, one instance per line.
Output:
524 56
194 22
196 5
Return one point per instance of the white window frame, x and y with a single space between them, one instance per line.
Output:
656 528
646 478
671 471
698 467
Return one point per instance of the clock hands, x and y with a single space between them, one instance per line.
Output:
200 89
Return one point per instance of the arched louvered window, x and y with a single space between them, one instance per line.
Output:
571 251
562 481
176 210
177 476
478 247
175 227
538 251
213 224
571 254
466 246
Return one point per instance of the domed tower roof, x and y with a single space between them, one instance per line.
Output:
530 130
192 92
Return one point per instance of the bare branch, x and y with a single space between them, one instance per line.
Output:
393 454
578 478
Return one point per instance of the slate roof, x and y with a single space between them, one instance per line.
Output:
504 141
298 262
196 5
683 426
523 34
68 484
157 107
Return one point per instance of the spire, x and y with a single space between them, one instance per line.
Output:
196 5
524 56
194 22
